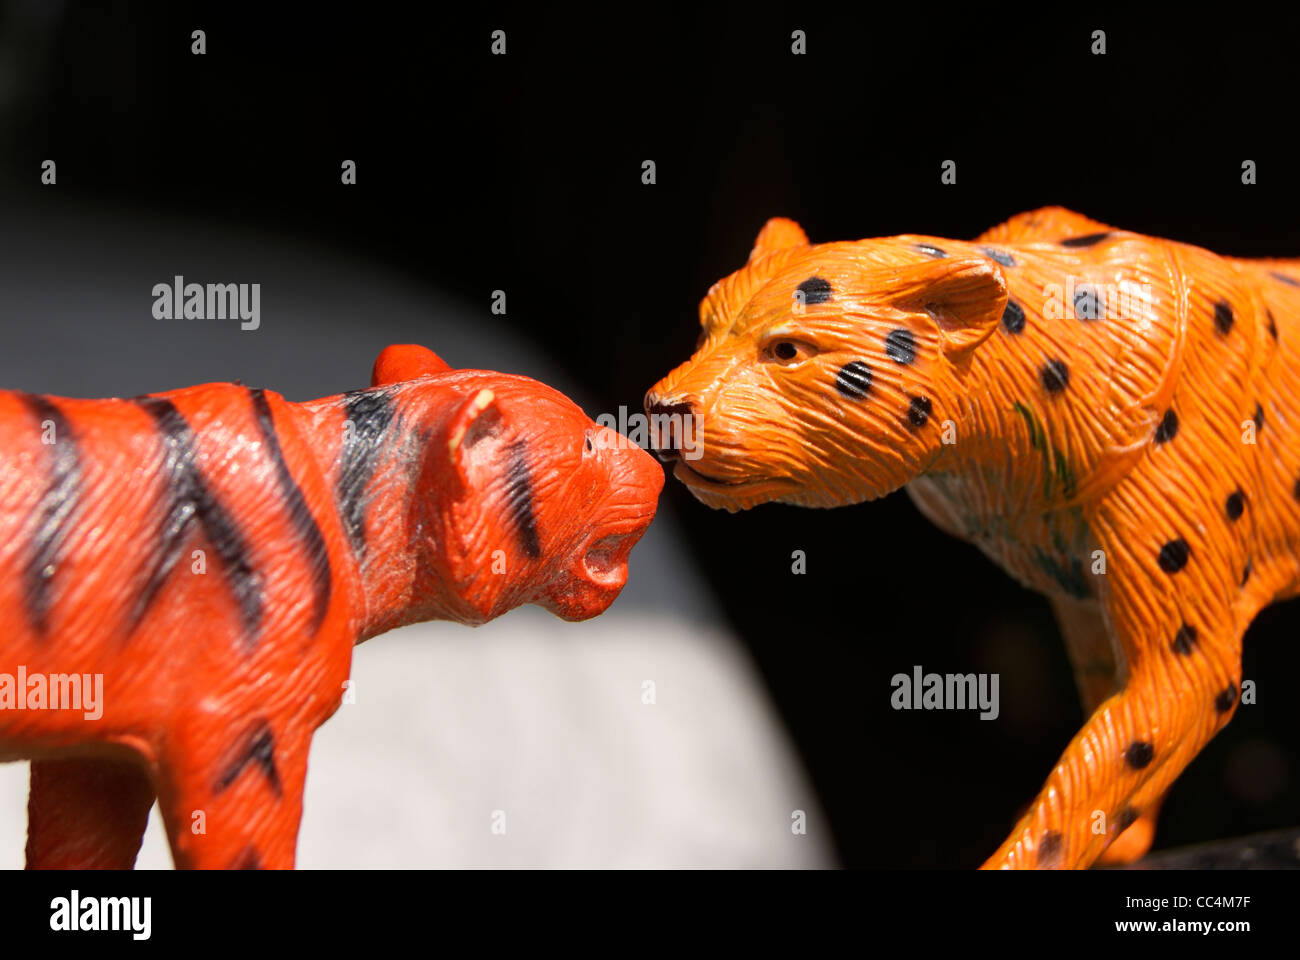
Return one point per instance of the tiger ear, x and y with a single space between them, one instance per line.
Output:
779 233
473 421
405 361
457 460
964 297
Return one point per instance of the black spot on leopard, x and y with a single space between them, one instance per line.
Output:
1001 257
1125 819
1289 281
1013 317
815 290
1235 505
1055 376
900 345
854 379
1223 318
1139 754
918 412
1226 698
1258 418
1087 302
1087 240
1168 428
1184 640
1174 555
1049 848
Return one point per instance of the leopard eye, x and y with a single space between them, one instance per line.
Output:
786 351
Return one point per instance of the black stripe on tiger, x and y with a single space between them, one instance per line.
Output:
370 413
247 859
300 514
258 748
189 499
519 499
54 514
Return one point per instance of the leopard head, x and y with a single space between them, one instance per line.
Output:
824 372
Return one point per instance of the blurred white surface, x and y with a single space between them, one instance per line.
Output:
545 721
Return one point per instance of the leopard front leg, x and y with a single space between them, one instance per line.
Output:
1097 675
1168 598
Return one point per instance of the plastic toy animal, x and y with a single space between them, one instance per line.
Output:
1111 417
209 557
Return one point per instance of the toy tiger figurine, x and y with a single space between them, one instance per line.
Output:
211 555
1111 417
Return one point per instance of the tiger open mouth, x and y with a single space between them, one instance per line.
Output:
606 559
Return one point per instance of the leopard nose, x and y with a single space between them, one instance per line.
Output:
667 416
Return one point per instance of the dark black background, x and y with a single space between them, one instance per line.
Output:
522 173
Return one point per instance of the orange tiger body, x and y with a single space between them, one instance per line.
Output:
214 553
1113 418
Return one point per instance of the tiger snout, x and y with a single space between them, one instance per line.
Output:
622 510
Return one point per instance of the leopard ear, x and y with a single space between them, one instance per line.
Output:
964 297
405 361
778 233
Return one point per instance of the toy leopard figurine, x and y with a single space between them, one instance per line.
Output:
210 556
1111 417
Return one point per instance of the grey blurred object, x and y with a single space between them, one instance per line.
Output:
1279 850
527 721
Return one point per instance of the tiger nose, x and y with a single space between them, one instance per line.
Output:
637 471
666 416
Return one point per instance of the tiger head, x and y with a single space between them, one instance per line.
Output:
824 373
520 497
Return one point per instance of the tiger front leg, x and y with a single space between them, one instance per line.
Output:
1169 602
231 792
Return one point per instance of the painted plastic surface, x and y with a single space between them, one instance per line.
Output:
1110 417
214 553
